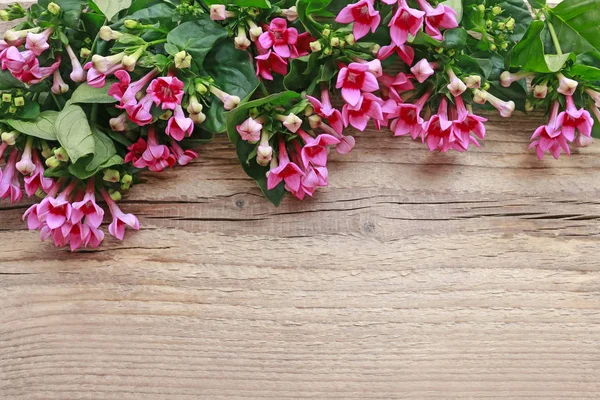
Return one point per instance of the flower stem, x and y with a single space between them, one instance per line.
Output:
554 38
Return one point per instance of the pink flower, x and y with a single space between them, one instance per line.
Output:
268 63
437 132
118 89
355 79
184 157
9 182
250 130
287 171
405 52
279 37
359 116
26 166
573 119
467 123
38 42
456 87
549 137
33 74
94 238
364 16
406 21
56 211
167 90
566 86
37 179
126 92
59 86
97 79
422 70
140 114
179 125
136 151
78 73
408 118
325 110
120 219
395 85
309 181
87 210
315 149
303 44
440 17
157 156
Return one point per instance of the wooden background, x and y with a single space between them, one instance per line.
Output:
415 275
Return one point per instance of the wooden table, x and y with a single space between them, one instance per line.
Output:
415 275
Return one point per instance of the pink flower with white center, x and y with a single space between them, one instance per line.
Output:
78 74
250 130
325 110
437 132
38 42
33 219
268 63
359 116
466 123
15 61
56 211
157 157
395 85
573 119
37 179
406 21
140 114
166 90
355 79
179 125
136 151
440 17
184 157
87 210
408 118
97 79
218 12
456 86
103 64
292 122
287 171
364 16
9 182
73 234
59 86
315 149
549 137
566 86
405 52
26 166
120 219
33 74
422 70
279 37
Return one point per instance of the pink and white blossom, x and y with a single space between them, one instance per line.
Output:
363 15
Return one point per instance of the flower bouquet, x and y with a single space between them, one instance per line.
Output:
95 92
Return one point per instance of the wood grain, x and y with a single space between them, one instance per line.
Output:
415 275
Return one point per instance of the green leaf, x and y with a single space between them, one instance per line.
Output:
304 16
518 10
110 8
71 10
8 81
198 38
87 94
105 156
233 73
455 38
586 68
162 13
30 110
74 133
42 127
576 25
537 3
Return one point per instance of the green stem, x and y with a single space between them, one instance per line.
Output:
56 101
155 42
263 89
554 38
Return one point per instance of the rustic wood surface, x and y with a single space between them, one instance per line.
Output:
415 275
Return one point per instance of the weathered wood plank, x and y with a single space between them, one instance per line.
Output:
415 275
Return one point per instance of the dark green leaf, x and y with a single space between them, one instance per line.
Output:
87 94
455 38
198 38
74 133
8 81
42 127
518 10
576 24
537 3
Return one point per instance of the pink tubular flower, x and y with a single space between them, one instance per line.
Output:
250 130
9 182
37 178
126 92
179 125
566 86
136 151
405 52
56 211
120 219
364 16
325 110
157 157
315 149
118 89
34 221
184 157
26 166
440 17
287 171
456 86
87 210
422 70
355 79
406 21
268 63
59 86
303 44
13 60
140 114
437 132
38 42
467 123
309 181
97 79
359 116
281 38
408 118
166 90
78 74
573 119
549 137
395 85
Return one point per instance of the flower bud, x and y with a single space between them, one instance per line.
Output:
53 8
350 39
131 24
4 15
218 12
118 124
242 42
198 118
308 111
479 97
115 195
594 95
255 33
422 70
25 166
201 88
10 137
510 24
481 7
566 86
165 116
540 91
529 107
315 121
19 101
195 107
7 97
84 52
183 60
334 42
107 34
326 32
583 141
290 13
507 78
315 46
501 26
496 10
52 162
46 151
127 179
292 122
472 81
231 102
61 154
493 47
111 175
327 51
264 155
375 49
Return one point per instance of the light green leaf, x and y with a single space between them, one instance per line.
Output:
110 8
42 127
576 25
74 133
87 94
